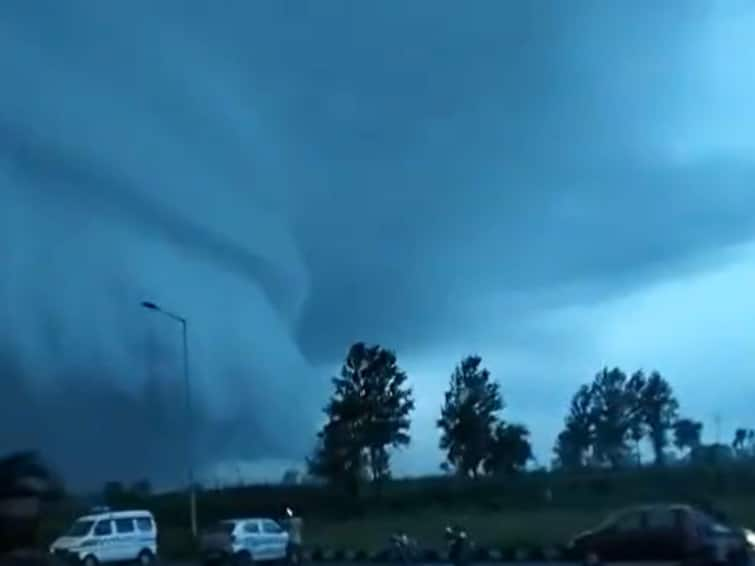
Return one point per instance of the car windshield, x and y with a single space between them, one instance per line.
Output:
80 528
609 521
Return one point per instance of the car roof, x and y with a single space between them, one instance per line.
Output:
138 514
246 519
645 507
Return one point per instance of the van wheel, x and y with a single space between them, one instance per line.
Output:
243 558
90 561
146 558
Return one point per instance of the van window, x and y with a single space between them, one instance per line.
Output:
103 528
144 524
124 525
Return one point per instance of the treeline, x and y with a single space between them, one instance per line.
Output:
610 418
607 423
369 414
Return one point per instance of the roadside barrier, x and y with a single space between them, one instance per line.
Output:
434 556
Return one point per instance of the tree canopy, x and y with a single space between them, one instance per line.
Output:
473 435
368 413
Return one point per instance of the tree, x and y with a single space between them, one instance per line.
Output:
367 414
142 488
114 493
469 415
575 441
639 428
338 458
744 443
687 434
291 477
615 414
658 412
510 449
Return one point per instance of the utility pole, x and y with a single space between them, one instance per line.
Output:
192 487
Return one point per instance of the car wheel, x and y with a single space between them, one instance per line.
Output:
738 558
215 561
145 558
592 558
243 558
90 561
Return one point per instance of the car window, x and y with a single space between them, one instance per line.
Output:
124 525
271 527
144 524
630 521
252 527
103 528
661 518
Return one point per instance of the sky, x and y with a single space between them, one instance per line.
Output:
556 187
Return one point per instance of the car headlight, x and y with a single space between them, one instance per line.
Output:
750 537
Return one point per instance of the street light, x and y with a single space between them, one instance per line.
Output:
189 421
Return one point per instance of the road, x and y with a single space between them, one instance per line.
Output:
524 563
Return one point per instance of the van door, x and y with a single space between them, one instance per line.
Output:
104 549
126 547
146 534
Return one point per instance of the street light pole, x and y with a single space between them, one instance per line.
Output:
189 414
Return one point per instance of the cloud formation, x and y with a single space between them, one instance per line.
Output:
293 177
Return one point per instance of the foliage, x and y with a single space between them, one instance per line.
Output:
469 416
473 435
142 488
613 413
616 414
338 457
658 410
367 414
687 434
291 477
744 443
510 449
575 441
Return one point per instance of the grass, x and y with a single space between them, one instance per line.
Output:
503 529
489 529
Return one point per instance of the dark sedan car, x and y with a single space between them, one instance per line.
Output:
674 533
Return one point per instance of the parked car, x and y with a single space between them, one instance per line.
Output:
243 541
109 536
675 533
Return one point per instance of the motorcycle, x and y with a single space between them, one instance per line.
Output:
458 545
403 548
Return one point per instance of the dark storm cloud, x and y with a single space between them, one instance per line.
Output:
393 172
70 178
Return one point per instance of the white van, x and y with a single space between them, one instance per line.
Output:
110 536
